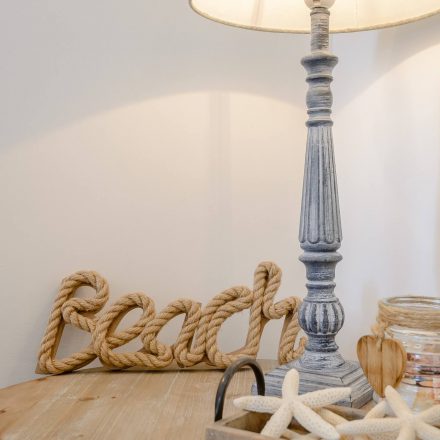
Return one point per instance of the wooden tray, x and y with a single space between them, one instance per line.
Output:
248 425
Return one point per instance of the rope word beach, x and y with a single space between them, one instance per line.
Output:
197 340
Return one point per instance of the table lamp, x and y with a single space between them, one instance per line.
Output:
321 315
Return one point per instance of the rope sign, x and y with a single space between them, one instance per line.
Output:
197 340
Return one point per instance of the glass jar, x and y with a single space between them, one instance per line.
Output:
420 386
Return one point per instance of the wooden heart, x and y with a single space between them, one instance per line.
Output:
383 365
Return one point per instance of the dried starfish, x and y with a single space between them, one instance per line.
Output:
292 405
336 419
403 422
291 435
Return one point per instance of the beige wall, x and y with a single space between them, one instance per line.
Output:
166 152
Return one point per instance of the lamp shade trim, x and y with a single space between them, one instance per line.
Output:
292 16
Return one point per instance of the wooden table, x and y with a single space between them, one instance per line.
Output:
122 405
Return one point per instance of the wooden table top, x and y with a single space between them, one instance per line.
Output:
97 404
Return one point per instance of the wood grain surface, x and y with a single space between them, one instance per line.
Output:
383 366
93 404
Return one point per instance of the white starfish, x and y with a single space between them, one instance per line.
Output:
377 412
292 405
291 435
335 419
332 418
405 423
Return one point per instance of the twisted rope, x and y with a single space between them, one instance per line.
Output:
197 340
391 313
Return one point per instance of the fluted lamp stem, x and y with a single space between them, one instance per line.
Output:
321 315
320 236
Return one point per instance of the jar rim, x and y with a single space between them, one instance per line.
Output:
413 302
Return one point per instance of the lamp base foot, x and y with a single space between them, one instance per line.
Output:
349 374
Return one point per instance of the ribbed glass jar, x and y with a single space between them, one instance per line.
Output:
420 386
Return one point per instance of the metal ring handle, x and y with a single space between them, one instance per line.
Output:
226 379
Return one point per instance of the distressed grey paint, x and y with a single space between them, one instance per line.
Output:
321 315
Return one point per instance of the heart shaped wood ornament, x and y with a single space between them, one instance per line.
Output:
383 365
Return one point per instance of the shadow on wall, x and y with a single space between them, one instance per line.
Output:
384 49
70 64
61 64
435 264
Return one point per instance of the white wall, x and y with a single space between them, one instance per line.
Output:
166 152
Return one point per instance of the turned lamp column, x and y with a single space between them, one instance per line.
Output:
321 315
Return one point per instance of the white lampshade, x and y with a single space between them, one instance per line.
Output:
294 15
